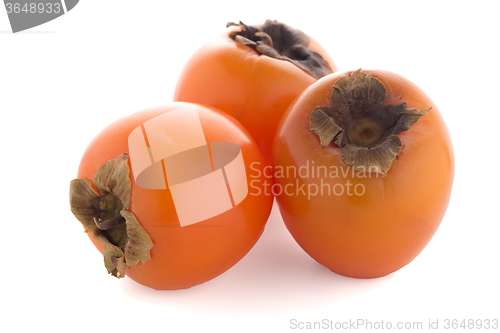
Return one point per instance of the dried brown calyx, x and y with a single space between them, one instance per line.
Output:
366 131
279 41
105 213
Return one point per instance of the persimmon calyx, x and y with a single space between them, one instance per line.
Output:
279 41
364 129
104 211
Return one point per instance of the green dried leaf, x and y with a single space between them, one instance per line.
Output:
114 177
82 200
358 94
114 259
377 159
322 123
406 116
139 243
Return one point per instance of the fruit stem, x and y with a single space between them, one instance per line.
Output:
108 224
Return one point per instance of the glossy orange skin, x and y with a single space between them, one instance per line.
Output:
185 256
254 89
377 231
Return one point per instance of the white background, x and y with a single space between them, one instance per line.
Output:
64 81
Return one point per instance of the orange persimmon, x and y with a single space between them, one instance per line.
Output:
253 73
363 166
163 193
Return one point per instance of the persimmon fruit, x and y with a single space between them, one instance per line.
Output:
163 193
363 168
253 73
